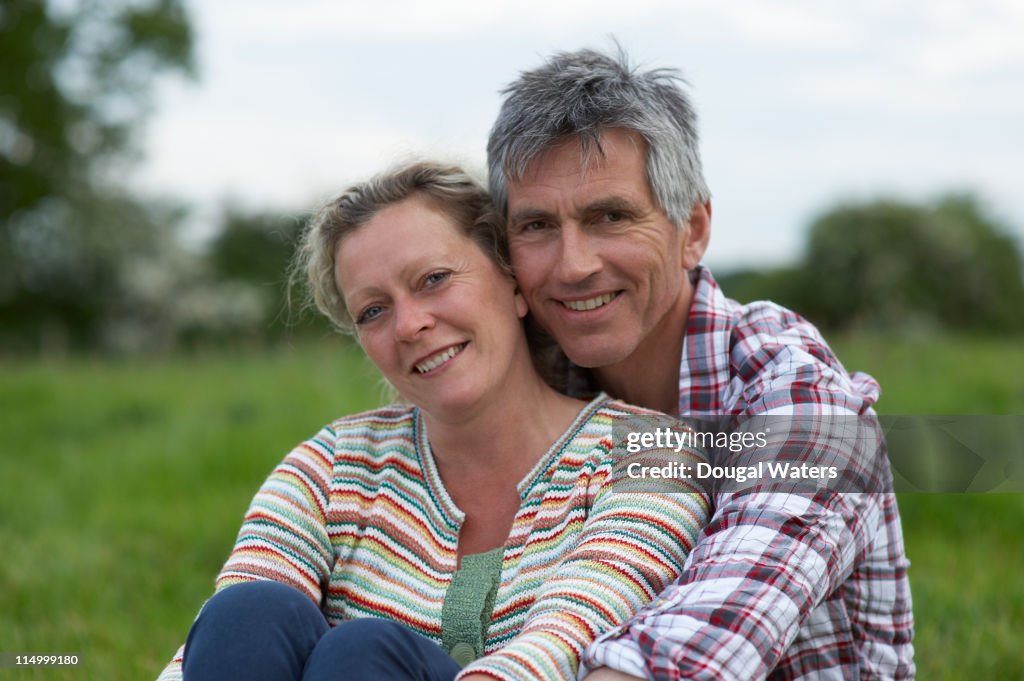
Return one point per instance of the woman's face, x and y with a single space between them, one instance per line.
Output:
436 315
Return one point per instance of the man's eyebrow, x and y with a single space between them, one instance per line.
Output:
611 204
527 214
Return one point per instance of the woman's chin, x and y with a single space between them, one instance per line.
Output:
450 405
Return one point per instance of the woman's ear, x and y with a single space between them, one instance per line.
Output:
522 309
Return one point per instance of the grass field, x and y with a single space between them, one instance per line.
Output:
124 483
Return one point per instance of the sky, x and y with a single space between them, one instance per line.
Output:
801 104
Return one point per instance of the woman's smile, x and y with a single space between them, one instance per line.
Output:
434 362
422 293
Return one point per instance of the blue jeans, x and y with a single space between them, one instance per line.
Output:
270 631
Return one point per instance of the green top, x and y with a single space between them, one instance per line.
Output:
468 604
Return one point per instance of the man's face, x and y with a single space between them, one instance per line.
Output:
598 260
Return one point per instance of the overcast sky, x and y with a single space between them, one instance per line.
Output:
801 104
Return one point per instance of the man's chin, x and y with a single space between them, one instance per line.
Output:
595 355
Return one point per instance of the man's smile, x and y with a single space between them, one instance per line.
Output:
582 305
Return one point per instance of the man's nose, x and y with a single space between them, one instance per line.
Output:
412 317
579 256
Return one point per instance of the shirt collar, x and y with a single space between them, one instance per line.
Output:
704 364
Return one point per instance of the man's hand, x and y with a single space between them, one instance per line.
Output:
602 674
608 674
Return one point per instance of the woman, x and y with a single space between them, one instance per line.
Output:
475 526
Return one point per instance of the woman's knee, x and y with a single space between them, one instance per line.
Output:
366 634
263 626
371 648
262 601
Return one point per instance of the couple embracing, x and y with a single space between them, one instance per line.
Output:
474 531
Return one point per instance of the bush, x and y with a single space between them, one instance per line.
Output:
894 265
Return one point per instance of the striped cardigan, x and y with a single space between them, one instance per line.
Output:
358 519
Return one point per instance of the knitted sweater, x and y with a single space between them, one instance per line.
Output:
358 519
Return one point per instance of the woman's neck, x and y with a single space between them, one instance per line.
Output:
484 453
503 439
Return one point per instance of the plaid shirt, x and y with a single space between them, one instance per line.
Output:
779 586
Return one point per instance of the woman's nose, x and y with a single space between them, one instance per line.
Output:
412 318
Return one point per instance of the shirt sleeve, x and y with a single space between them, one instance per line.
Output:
765 560
631 546
284 534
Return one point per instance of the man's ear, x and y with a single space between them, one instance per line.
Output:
697 235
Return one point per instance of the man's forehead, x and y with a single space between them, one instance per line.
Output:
581 155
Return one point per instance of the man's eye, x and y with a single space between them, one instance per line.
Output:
369 314
614 216
533 226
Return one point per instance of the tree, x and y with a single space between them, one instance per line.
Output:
889 264
256 248
74 90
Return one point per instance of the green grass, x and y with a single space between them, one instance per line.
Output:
124 483
941 375
966 551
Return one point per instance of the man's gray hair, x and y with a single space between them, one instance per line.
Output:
581 94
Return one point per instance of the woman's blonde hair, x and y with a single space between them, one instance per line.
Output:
447 187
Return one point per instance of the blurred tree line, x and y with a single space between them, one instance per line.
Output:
86 264
74 89
893 266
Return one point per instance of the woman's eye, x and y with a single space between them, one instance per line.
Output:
369 314
435 278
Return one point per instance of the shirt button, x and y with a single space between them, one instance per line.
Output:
463 653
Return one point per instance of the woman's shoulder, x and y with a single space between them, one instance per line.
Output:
605 417
610 407
391 427
387 421
358 438
617 419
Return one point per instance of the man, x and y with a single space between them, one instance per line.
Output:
598 168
